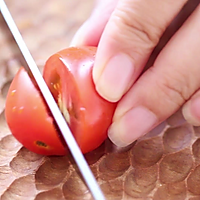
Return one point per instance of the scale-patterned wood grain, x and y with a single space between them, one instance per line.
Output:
163 165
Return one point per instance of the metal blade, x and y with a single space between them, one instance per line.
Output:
66 133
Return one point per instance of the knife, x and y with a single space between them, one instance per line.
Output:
58 117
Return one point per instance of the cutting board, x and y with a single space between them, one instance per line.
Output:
163 165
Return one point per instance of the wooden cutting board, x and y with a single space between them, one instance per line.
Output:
163 165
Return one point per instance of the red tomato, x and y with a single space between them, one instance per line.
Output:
68 75
28 118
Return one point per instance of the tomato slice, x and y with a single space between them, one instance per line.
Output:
68 75
28 118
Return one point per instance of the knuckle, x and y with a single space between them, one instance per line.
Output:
173 87
173 92
140 29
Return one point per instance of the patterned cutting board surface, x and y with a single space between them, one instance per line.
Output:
163 165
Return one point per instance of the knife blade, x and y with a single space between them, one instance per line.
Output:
58 117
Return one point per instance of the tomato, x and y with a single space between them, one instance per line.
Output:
68 74
28 118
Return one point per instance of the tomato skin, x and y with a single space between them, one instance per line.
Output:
27 117
68 75
94 114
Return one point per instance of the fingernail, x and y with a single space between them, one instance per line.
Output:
133 125
191 111
115 78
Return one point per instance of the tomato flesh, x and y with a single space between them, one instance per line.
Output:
68 75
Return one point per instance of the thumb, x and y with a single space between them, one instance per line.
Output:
129 37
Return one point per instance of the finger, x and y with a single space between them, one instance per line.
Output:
90 32
131 34
191 109
163 88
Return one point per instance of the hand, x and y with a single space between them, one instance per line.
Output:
127 32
